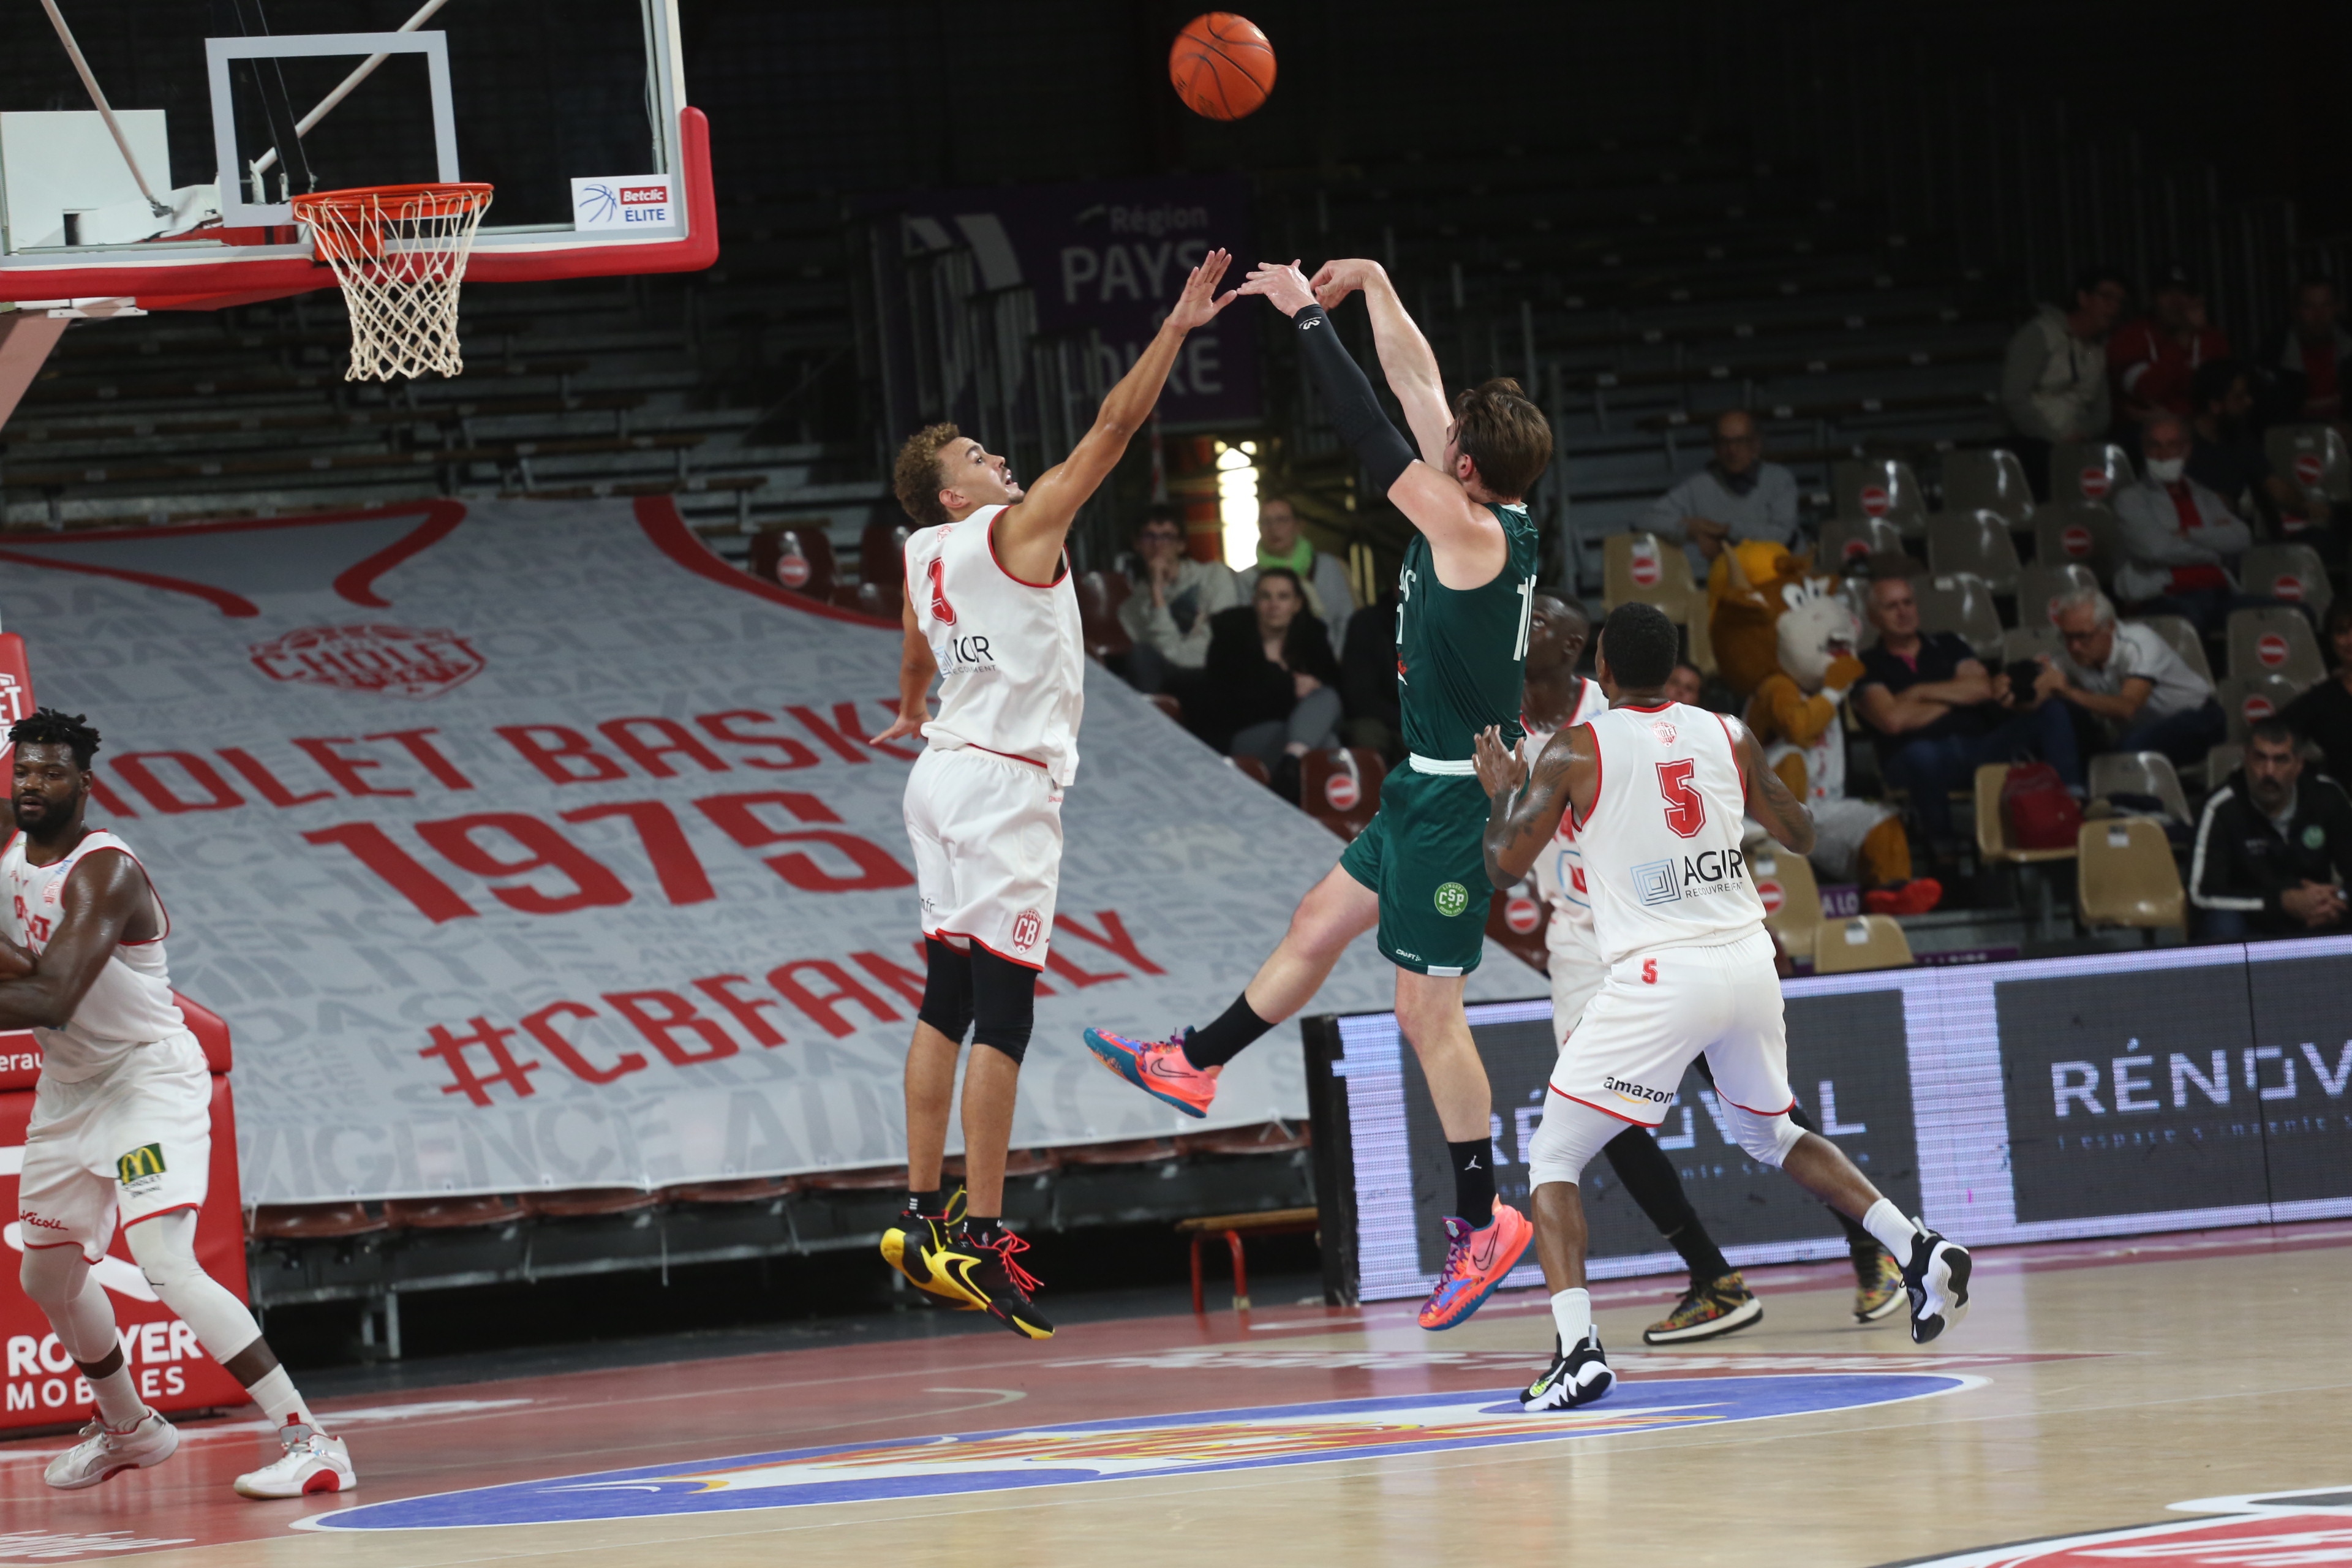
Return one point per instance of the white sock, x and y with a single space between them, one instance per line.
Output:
1894 1232
1571 1313
119 1404
275 1393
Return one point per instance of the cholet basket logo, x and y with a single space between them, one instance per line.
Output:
394 660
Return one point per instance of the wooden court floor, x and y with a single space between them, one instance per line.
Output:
2093 1386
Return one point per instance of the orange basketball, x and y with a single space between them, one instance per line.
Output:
1221 66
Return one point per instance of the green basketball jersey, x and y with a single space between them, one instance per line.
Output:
1462 653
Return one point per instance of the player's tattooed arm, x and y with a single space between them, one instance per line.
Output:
917 668
106 902
1524 805
1770 801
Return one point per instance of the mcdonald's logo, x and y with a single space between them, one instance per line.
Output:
140 1162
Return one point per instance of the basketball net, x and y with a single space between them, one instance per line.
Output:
400 253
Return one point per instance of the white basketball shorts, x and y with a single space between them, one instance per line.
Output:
1660 1010
138 1139
987 837
1572 957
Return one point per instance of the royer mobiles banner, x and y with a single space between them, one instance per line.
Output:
530 846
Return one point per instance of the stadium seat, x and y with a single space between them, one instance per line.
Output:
2247 699
1792 900
1341 788
1963 603
1988 480
1864 941
1992 827
2275 641
313 1222
1017 1162
2182 637
858 1179
2029 642
2147 774
2085 535
1855 592
2221 761
753 1190
1168 705
1253 768
1100 594
584 1202
2089 471
882 548
1266 1138
1128 1151
449 1214
880 599
1642 567
1977 542
1880 488
800 559
2124 875
2039 588
1525 904
1850 545
2312 456
2291 573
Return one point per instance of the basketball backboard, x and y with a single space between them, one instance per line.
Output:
175 191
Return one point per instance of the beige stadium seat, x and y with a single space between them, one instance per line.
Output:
1961 602
1864 941
2312 456
2291 573
1974 542
2182 637
2084 536
1992 827
1880 488
2276 641
2140 772
1988 480
2029 642
2247 699
2089 471
1642 567
1849 545
2039 588
2220 763
1792 900
2124 875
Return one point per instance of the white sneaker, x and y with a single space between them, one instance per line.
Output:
313 1462
150 1440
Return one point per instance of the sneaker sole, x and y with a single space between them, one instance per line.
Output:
321 1481
1494 1282
1882 1312
1122 1062
1948 1275
1537 1407
1731 1323
105 1476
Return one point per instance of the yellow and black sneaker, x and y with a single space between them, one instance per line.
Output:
1721 1306
984 1268
912 1237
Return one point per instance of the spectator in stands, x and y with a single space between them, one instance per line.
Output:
2153 358
1280 544
2274 847
2131 689
1737 495
2308 358
1168 613
1939 714
2322 715
1684 685
2179 539
2228 458
1368 687
1273 687
2053 379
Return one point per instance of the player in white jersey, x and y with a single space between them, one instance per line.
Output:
121 1122
1657 790
991 607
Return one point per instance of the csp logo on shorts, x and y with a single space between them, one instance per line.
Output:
142 1165
1452 900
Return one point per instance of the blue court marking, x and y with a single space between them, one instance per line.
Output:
1194 1443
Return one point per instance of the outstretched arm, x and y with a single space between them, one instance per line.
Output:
1406 357
103 897
915 669
1770 801
1524 805
1029 535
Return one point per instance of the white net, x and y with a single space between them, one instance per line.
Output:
400 253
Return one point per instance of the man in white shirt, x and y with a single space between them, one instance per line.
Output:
2179 539
1737 495
2053 375
2128 679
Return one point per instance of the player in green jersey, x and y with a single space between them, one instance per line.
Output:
1417 873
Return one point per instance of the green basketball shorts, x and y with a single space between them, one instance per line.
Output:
1422 854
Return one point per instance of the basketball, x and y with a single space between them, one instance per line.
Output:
1221 66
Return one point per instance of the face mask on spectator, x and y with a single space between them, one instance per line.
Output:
2166 470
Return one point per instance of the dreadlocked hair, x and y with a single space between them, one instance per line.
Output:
48 726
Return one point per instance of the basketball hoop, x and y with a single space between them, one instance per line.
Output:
399 252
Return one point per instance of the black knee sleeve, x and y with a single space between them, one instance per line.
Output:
1003 1003
947 989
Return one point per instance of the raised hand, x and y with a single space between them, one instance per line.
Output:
1335 280
1199 303
1499 770
1285 286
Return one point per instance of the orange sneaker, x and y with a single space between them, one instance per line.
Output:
1159 1068
1476 1262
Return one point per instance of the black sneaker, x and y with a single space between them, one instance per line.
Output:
913 1235
1936 1278
1719 1307
986 1273
1574 1377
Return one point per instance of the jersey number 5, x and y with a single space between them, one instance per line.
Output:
1685 808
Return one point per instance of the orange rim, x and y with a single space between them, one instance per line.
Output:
445 201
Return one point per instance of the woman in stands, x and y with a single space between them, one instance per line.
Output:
1273 684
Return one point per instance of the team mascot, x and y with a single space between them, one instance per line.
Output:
1793 709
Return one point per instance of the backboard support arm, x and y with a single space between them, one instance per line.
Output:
105 109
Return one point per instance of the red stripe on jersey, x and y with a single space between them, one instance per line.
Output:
1061 567
1598 773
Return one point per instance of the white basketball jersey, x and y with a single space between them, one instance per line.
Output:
1559 870
1661 854
130 1005
1012 655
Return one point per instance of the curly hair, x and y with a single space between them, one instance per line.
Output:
915 477
48 726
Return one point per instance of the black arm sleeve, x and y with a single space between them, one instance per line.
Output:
1356 413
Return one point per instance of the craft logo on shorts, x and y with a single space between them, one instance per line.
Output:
144 1164
395 661
1026 929
1452 900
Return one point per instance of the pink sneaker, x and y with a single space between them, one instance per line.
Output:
1476 1262
1159 1068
